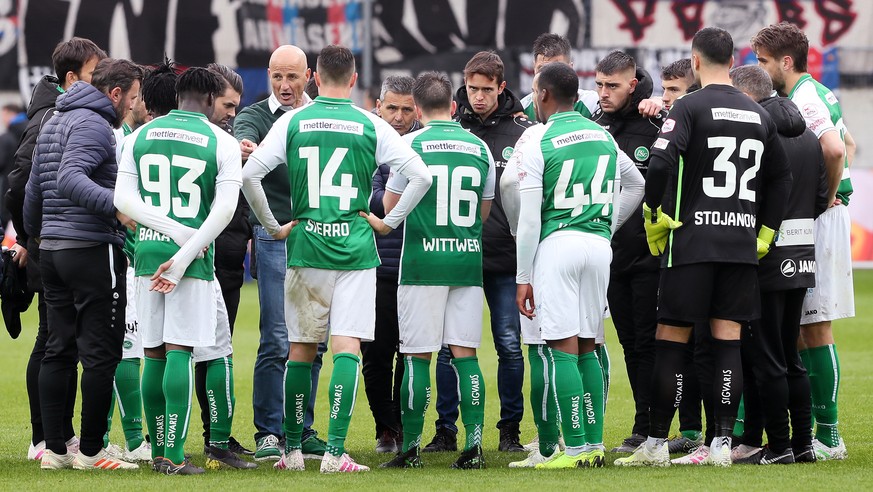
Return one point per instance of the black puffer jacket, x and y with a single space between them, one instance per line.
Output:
500 132
792 266
635 136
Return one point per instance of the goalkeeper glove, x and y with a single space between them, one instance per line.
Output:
658 226
765 238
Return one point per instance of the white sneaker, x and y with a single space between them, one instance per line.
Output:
115 451
534 444
744 454
720 452
52 461
101 461
292 461
825 453
700 456
35 451
142 453
643 456
344 463
534 458
72 445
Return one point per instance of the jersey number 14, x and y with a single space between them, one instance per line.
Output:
320 183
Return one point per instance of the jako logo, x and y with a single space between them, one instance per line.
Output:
789 268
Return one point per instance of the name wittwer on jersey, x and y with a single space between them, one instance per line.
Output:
450 244
715 217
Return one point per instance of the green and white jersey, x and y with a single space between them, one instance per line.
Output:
332 149
178 160
442 236
574 161
586 105
822 112
120 136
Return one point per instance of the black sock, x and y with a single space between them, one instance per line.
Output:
202 398
668 383
727 385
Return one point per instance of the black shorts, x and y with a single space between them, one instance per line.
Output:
698 292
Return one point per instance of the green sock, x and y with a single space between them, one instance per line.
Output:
109 418
603 358
693 435
807 363
471 389
542 398
341 400
740 424
414 399
825 384
219 394
153 403
568 391
298 390
127 389
178 380
592 397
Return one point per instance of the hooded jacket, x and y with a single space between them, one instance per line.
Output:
69 195
500 131
790 264
635 135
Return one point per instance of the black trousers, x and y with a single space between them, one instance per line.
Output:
778 385
85 295
382 372
633 304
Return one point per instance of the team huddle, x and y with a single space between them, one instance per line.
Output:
710 223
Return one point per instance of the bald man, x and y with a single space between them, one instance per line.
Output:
288 73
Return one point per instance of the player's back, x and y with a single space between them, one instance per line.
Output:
443 233
332 148
580 174
721 136
177 159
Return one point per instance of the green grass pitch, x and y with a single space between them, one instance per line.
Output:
856 399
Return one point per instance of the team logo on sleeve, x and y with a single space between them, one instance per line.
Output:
809 110
507 153
641 153
668 125
661 143
831 98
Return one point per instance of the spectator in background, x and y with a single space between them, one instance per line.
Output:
15 121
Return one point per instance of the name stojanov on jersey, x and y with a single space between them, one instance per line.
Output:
715 217
452 244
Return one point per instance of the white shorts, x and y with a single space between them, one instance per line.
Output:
185 316
343 299
132 346
431 316
530 330
570 277
833 296
600 339
222 347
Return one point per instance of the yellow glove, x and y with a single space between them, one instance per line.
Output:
765 238
658 227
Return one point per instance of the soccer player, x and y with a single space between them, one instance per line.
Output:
782 50
440 297
568 175
773 372
710 153
677 79
331 148
188 176
549 47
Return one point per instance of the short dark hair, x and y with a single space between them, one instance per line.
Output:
335 64
111 73
70 56
783 39
13 108
753 80
199 81
398 84
230 78
550 45
159 88
560 80
487 63
679 69
615 62
432 91
714 44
